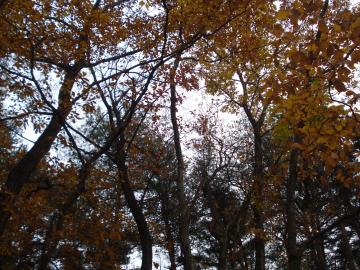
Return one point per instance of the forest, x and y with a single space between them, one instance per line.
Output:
180 134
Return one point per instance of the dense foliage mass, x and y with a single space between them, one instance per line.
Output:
117 167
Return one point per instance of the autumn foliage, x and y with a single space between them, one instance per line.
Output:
104 152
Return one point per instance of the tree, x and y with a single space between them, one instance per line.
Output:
115 166
55 39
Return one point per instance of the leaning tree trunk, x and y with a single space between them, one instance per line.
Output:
22 171
136 211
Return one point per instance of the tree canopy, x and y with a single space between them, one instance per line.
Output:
263 173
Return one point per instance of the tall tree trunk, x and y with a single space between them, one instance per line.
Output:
258 208
293 254
183 208
22 171
136 211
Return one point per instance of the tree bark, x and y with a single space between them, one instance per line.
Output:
183 208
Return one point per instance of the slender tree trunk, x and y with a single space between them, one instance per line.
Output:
22 171
136 211
293 254
183 208
258 208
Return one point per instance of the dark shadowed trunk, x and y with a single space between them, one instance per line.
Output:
293 254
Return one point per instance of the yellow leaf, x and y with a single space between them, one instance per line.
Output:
313 47
338 127
282 14
337 28
355 24
321 140
322 27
